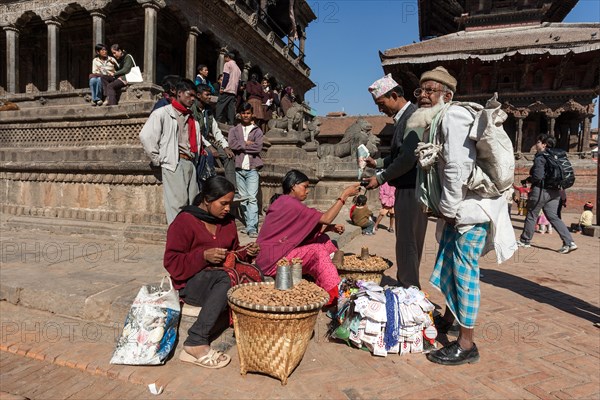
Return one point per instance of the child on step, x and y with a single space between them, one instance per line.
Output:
361 215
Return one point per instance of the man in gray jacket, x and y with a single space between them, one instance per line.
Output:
171 138
400 172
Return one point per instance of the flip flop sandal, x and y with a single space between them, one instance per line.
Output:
210 360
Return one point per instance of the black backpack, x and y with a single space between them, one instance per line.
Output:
559 173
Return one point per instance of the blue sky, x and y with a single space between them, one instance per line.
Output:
343 43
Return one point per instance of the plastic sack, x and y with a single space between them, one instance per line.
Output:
150 327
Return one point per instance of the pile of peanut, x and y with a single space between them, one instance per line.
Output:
266 295
373 263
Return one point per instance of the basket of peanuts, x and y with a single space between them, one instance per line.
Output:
273 327
365 267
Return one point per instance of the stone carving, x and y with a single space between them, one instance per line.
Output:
291 122
31 88
10 13
115 179
156 3
356 134
253 19
65 86
572 105
8 106
83 134
313 130
309 135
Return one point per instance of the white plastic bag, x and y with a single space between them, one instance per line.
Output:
135 74
150 327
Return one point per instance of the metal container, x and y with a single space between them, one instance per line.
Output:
338 259
283 279
364 253
296 273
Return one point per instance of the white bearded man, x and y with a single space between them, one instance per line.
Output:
468 224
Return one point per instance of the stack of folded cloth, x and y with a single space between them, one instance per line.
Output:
389 320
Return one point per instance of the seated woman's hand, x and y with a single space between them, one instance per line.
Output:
337 228
253 249
215 255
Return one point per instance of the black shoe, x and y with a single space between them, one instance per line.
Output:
452 354
444 326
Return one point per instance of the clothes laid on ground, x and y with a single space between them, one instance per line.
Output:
384 320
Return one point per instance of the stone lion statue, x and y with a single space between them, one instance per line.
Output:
292 120
312 130
358 133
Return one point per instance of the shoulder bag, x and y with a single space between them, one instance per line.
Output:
134 75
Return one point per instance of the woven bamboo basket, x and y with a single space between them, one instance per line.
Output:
372 275
272 342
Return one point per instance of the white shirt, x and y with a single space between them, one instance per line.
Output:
246 130
399 113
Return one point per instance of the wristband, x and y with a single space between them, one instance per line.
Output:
340 199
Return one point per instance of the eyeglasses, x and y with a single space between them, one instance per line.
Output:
428 91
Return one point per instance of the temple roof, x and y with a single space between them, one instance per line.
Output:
497 43
336 126
441 17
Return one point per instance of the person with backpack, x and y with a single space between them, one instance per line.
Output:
550 172
470 224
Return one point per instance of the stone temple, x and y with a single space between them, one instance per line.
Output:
545 72
67 166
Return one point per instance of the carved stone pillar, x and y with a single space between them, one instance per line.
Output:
53 58
302 41
519 138
150 17
221 60
190 54
246 71
98 19
585 140
12 59
551 116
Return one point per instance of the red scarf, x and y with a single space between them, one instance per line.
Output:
191 124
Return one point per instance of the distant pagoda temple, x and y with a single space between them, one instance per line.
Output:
546 72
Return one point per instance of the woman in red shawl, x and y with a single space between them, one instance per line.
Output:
291 229
200 238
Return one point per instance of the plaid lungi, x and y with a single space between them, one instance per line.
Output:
456 271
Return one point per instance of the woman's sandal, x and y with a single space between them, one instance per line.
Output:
210 360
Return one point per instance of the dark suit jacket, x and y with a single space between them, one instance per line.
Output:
401 164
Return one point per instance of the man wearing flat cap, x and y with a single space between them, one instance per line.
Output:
400 172
469 224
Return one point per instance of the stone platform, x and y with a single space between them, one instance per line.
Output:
65 297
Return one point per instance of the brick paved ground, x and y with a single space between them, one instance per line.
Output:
535 333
